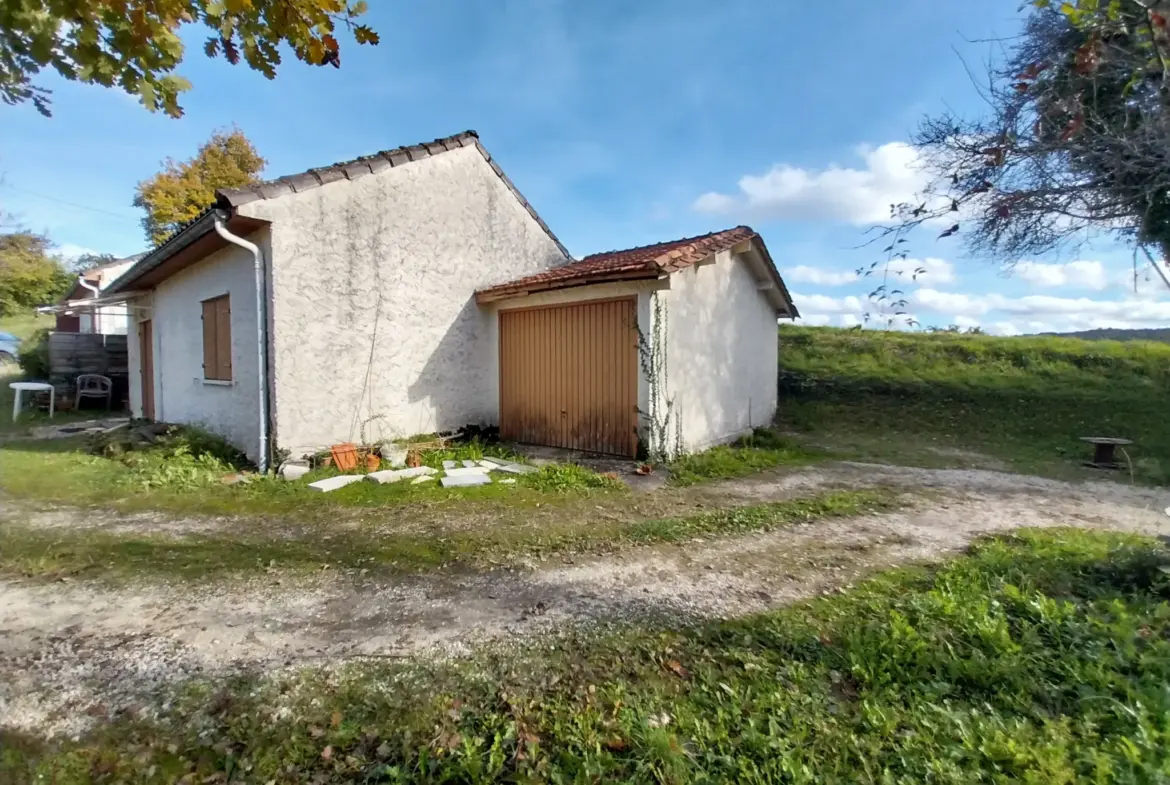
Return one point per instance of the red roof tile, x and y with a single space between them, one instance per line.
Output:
647 261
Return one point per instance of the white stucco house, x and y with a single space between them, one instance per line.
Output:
111 319
416 290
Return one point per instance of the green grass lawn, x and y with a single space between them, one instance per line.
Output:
1041 657
560 508
763 449
23 325
182 477
243 550
923 399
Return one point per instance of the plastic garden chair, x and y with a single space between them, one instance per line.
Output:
92 385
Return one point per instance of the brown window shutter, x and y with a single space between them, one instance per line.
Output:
217 339
223 338
210 366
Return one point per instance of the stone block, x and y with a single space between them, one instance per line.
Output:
396 475
465 480
294 471
333 483
517 468
467 471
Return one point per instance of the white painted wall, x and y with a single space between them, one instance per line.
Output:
181 394
142 308
108 319
373 314
721 341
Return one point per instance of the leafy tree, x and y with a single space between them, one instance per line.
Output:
1075 139
88 261
29 275
135 45
182 190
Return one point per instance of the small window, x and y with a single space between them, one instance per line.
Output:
217 339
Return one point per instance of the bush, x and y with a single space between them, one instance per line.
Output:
569 477
762 449
34 355
170 456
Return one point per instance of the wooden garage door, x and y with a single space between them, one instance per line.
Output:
569 376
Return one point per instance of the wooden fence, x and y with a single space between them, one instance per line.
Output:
72 354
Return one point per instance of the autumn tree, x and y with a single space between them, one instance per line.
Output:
1074 141
87 261
135 45
29 274
184 189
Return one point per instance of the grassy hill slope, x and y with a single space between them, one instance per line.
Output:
941 399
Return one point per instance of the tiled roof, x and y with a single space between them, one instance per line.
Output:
647 261
371 164
155 256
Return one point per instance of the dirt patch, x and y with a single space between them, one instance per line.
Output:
970 458
72 653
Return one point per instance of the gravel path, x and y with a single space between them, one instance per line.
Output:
70 653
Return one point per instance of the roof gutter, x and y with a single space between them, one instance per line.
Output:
261 333
175 243
92 302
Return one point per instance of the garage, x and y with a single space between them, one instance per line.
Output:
569 376
670 347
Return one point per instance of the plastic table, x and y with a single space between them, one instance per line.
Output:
21 387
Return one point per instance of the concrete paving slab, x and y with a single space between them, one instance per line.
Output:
333 483
465 480
396 475
466 471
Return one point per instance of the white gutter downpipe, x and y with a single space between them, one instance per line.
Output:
94 320
261 334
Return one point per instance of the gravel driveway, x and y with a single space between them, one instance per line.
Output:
70 652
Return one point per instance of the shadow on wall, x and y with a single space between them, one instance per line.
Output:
454 380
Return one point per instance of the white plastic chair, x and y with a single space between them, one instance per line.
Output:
93 385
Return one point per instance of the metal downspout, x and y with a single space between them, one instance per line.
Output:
261 333
94 323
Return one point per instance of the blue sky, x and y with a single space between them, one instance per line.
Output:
622 126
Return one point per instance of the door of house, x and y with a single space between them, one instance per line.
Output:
146 366
569 376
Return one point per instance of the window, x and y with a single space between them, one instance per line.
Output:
217 339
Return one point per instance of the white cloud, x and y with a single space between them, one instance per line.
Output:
714 203
993 312
814 319
947 302
1145 285
815 275
934 272
1084 308
69 251
1080 275
857 196
1044 313
823 304
1002 328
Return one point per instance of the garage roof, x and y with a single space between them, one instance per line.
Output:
647 261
